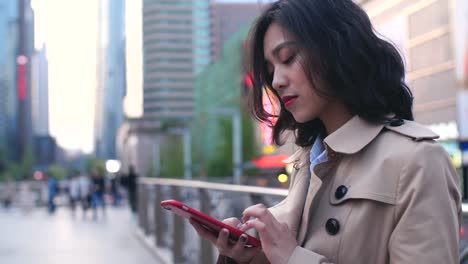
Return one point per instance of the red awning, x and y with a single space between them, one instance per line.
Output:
268 162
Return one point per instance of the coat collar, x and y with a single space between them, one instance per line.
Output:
357 133
353 136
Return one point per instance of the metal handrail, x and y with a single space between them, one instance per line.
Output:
214 186
152 218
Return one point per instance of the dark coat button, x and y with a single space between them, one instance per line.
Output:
397 122
341 192
332 226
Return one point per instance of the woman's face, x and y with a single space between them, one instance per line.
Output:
288 78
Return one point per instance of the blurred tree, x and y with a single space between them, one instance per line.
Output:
172 161
220 86
27 164
14 170
19 171
57 171
221 165
250 148
3 161
95 163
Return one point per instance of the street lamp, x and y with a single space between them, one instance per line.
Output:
113 166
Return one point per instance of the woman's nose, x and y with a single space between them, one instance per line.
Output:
279 80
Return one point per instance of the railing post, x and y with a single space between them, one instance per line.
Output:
159 224
140 206
206 249
179 232
143 208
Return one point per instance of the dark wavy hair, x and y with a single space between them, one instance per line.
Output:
342 53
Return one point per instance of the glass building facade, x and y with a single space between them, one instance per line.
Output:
177 46
111 80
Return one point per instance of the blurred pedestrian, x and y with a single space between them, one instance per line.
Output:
85 192
26 198
9 191
130 181
98 191
53 189
74 191
114 190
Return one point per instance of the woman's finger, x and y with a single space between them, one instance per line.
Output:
239 249
256 224
234 222
245 214
203 232
260 212
222 242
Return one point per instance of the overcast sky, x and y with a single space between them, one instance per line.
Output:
69 29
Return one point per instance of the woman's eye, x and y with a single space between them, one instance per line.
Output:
289 59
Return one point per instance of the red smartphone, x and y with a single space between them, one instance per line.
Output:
208 222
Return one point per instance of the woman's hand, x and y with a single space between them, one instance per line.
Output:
236 251
278 242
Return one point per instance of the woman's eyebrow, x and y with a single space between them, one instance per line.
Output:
278 48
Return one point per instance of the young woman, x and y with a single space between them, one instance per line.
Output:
370 186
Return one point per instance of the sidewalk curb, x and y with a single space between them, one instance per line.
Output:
159 253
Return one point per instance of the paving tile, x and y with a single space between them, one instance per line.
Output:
40 238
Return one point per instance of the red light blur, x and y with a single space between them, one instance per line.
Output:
249 81
38 175
22 81
462 231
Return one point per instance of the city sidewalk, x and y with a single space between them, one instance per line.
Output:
39 238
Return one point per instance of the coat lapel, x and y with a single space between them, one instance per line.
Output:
313 187
290 212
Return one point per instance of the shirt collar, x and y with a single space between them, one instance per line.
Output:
353 136
318 154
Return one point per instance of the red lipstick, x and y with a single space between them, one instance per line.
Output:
288 100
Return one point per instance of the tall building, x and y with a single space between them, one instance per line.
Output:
433 38
24 51
177 46
44 144
423 32
16 48
111 70
40 93
229 18
8 43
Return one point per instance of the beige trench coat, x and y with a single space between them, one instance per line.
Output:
387 194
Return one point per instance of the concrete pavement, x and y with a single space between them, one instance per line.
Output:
39 238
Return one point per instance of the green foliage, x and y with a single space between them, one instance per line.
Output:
96 164
220 86
57 171
14 170
172 161
27 163
220 165
18 171
3 161
249 143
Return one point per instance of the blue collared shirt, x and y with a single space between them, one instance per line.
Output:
318 153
